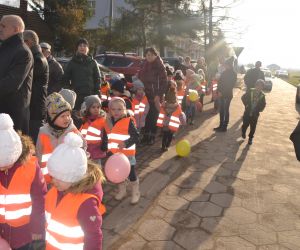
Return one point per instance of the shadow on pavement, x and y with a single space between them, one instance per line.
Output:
214 183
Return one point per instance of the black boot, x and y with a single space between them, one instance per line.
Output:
151 140
218 128
250 141
145 139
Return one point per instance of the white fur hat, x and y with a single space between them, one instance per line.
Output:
68 161
10 142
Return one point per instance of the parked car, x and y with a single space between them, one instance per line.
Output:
268 79
126 64
282 74
298 94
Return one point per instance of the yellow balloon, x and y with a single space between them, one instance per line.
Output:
193 94
183 148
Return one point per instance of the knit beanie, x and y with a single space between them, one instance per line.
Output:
68 161
10 142
178 75
88 102
69 95
116 99
169 71
119 86
82 41
138 84
56 105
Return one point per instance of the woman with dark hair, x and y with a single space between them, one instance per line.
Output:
153 75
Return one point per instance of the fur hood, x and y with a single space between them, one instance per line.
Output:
93 176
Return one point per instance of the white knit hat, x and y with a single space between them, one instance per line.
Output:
68 161
10 142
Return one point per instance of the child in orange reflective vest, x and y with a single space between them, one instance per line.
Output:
22 189
73 205
118 90
92 129
140 104
180 86
122 137
192 106
59 124
170 116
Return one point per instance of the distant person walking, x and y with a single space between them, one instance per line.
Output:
252 75
56 71
16 70
254 102
154 77
39 84
225 88
82 74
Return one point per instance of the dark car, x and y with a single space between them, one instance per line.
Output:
126 64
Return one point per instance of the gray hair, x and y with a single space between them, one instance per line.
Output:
31 36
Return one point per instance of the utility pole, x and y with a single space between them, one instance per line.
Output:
111 15
205 29
210 28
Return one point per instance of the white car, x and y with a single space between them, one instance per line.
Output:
268 79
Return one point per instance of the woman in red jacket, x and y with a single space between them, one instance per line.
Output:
154 76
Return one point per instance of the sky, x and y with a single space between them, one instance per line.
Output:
270 31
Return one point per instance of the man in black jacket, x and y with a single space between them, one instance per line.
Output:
56 71
16 70
226 84
253 75
295 138
39 84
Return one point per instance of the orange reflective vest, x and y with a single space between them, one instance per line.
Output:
139 108
105 92
180 95
63 230
214 89
117 134
15 200
203 88
47 149
174 121
91 131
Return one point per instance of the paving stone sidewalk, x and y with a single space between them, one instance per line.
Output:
225 195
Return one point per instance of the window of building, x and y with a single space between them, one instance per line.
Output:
12 3
92 7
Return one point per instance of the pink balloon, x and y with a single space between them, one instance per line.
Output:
4 245
117 168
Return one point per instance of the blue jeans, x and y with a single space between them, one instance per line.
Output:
224 103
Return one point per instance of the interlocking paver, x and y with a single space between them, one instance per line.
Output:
225 195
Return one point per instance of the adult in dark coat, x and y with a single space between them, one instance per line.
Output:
82 74
295 138
16 70
56 71
39 84
180 66
225 89
154 76
253 75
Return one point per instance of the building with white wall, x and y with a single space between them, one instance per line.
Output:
101 9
